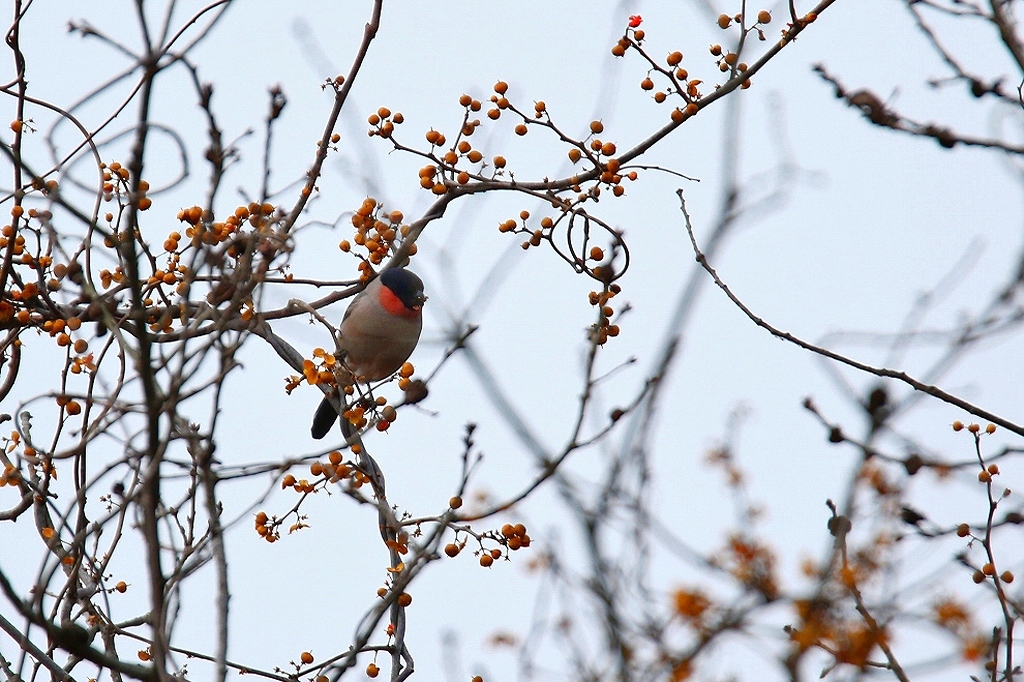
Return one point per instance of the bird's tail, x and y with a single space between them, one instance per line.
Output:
325 415
324 418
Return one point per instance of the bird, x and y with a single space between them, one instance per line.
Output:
378 333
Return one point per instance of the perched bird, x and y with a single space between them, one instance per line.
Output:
378 333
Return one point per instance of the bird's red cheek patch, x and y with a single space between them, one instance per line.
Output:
394 306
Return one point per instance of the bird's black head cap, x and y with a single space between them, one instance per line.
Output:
404 284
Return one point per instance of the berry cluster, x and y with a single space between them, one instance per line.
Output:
378 232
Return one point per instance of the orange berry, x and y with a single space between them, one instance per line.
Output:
764 17
404 599
724 20
1006 577
73 407
501 87
958 425
984 476
974 428
306 657
121 587
520 130
990 429
455 502
963 530
596 127
486 560
499 161
451 549
372 670
691 109
674 58
647 84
